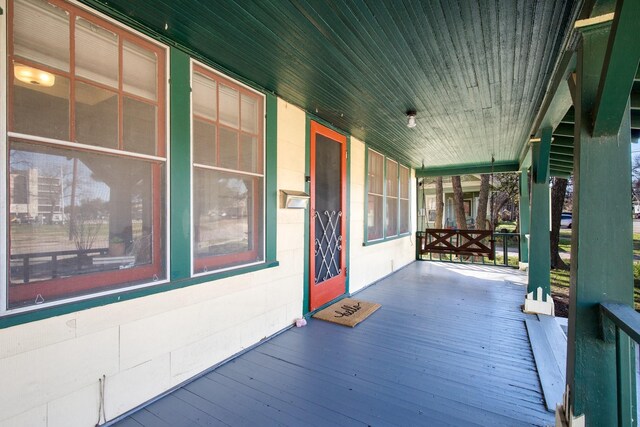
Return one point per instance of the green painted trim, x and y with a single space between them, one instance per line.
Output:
384 197
386 239
559 174
365 207
540 157
525 214
271 191
180 165
539 236
307 224
600 200
619 69
469 169
73 307
348 218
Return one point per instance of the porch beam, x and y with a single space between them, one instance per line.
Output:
468 169
556 107
619 68
538 299
601 207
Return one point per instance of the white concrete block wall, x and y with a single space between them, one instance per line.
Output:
50 368
371 263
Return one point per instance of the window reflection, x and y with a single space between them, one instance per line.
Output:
226 210
76 213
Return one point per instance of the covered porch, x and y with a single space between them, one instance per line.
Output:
448 347
177 128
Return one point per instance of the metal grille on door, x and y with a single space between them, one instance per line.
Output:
328 245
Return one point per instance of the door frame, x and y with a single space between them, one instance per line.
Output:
315 125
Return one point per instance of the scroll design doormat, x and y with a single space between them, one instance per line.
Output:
347 312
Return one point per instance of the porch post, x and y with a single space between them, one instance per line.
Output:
601 247
539 288
525 217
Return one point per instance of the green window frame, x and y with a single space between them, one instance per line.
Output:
387 203
178 223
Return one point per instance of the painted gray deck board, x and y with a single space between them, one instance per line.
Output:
545 334
448 347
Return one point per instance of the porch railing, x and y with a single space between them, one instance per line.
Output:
49 262
618 321
468 246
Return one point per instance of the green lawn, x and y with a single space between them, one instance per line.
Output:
560 278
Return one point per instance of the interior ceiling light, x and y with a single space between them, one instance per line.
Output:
411 119
33 76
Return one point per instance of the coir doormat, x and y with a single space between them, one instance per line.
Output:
347 312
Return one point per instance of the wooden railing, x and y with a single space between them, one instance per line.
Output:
468 246
620 321
456 242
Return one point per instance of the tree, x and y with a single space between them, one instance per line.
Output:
558 190
507 187
439 203
458 203
483 201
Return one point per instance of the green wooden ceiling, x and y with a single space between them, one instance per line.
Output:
475 71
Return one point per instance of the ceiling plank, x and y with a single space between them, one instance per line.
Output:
562 167
563 151
635 119
562 141
562 161
619 69
563 129
635 101
570 117
559 174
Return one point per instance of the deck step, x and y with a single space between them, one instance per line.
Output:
549 347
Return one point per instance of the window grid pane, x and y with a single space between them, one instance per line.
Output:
81 221
228 206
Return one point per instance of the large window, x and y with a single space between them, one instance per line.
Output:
228 176
387 197
86 155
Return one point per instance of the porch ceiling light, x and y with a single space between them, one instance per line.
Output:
411 119
33 76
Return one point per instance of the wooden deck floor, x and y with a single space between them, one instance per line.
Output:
448 347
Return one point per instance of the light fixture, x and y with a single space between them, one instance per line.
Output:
291 199
411 119
33 76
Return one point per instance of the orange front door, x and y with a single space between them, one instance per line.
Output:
328 221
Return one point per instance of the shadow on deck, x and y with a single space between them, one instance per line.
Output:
448 347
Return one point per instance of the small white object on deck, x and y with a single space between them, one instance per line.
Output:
537 305
301 322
